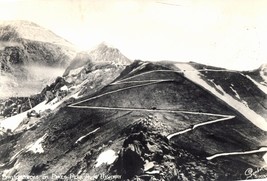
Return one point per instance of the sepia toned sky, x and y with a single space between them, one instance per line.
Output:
225 33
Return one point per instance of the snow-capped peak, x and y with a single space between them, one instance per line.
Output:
32 31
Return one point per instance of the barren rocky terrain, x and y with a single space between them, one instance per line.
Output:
111 118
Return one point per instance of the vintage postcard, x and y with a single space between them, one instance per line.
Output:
133 90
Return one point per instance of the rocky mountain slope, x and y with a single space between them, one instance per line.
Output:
141 121
32 43
102 54
25 46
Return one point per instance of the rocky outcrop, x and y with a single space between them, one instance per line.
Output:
15 105
131 162
146 154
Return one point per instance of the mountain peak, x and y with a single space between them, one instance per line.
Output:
105 45
19 23
21 29
107 53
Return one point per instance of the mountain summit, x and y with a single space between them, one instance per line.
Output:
102 54
36 44
25 44
106 53
15 30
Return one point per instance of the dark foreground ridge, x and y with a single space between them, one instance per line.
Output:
138 121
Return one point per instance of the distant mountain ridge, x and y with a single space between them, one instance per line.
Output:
20 29
103 53
24 44
106 53
37 44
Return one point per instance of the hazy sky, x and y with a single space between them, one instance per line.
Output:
227 33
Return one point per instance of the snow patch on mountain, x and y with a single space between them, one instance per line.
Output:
219 88
37 146
236 94
194 75
108 157
260 86
14 121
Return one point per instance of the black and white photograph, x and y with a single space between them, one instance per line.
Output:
133 90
